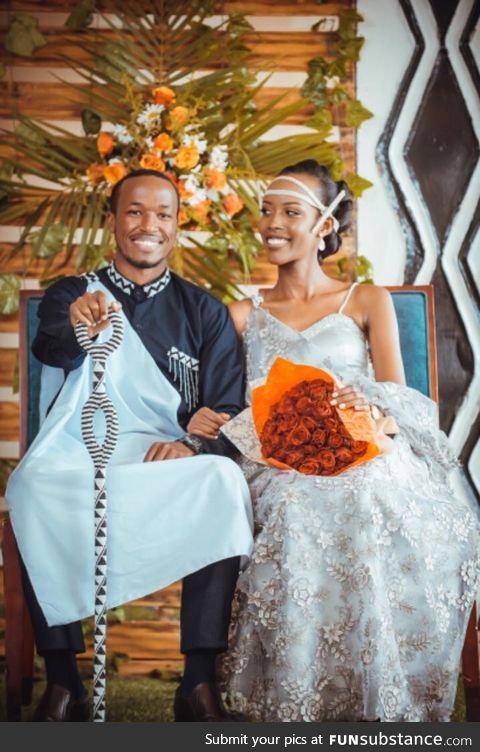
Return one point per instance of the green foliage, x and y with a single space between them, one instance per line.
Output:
9 288
169 45
81 16
358 268
23 36
91 122
356 113
357 184
6 468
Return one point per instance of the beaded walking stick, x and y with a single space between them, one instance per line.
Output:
100 455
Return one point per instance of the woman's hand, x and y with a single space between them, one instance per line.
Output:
350 396
207 423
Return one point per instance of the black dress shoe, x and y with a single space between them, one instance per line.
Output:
57 704
203 704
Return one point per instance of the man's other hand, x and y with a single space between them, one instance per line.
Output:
92 309
207 423
167 450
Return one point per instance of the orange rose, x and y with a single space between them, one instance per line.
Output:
105 144
95 173
310 467
305 405
293 458
359 447
319 437
326 460
163 142
323 409
344 455
334 441
318 390
152 162
115 172
177 117
187 156
200 211
233 204
164 95
215 180
298 436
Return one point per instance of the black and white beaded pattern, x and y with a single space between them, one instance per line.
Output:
185 370
100 455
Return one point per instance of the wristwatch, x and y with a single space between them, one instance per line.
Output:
192 442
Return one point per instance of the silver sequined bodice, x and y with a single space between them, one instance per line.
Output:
335 342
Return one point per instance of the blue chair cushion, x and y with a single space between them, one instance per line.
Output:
412 315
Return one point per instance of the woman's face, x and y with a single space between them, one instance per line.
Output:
286 224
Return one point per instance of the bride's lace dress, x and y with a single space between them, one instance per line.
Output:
356 599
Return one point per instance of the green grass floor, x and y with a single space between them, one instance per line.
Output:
150 700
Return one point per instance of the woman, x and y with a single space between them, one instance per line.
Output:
356 600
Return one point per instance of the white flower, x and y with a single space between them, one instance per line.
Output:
219 157
332 82
199 195
150 115
200 143
149 142
121 134
114 160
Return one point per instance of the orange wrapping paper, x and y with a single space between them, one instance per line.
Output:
282 377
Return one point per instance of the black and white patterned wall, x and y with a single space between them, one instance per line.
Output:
419 74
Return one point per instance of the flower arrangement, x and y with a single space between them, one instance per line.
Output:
299 429
163 134
165 88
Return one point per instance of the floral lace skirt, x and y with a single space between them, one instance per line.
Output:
356 600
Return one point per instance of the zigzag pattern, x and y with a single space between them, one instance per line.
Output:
128 286
100 455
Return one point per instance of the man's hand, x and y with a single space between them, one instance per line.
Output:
167 450
92 309
207 423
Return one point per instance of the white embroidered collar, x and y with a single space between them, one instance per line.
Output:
128 286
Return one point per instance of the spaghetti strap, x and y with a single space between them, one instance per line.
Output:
257 299
347 297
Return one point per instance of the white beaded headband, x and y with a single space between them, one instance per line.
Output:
310 198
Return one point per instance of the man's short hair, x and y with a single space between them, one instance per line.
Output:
115 194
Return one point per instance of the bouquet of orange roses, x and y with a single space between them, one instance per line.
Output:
297 428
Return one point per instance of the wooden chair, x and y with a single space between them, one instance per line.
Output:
415 313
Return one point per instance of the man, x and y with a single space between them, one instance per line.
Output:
174 510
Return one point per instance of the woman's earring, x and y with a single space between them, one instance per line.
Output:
321 244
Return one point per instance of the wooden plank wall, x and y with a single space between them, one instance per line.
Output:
282 41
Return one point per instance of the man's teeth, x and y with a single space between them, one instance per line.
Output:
148 243
276 241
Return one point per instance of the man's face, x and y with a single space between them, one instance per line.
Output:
144 224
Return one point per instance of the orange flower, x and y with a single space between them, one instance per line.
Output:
200 211
164 95
233 204
187 156
182 190
152 162
182 216
115 172
163 142
105 144
95 173
177 117
215 179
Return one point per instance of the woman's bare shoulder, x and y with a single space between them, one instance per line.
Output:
373 299
240 311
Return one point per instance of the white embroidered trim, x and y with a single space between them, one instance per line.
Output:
185 370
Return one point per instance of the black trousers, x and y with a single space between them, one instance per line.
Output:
204 618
